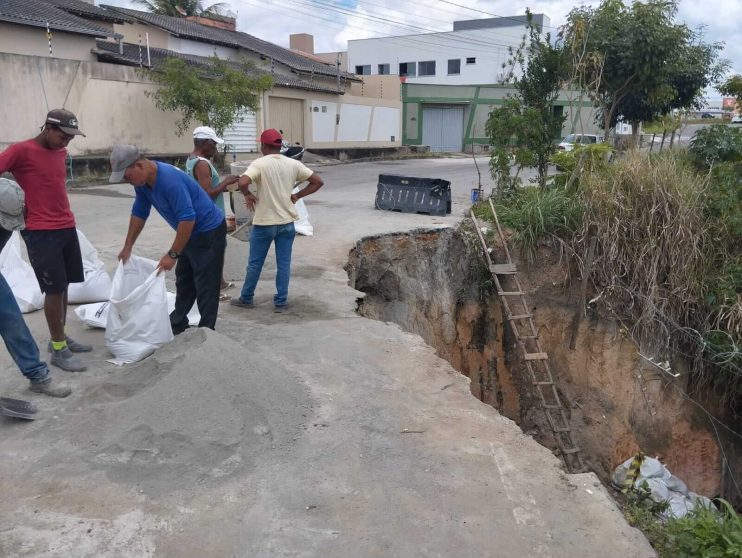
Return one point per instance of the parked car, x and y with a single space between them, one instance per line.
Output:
568 143
707 115
737 119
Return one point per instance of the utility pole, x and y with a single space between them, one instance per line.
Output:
337 66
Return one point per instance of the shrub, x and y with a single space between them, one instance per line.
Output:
534 214
707 533
716 144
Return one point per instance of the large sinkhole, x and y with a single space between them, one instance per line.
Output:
433 283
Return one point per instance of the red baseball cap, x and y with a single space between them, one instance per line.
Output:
271 137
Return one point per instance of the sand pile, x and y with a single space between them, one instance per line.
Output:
200 409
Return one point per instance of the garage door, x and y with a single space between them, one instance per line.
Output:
287 115
443 128
242 136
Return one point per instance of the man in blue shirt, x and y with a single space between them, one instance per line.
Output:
200 231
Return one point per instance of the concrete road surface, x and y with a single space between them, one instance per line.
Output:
315 433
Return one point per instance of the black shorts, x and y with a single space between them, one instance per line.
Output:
55 258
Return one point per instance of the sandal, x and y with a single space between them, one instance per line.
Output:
229 285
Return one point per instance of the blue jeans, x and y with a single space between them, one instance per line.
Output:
18 339
261 237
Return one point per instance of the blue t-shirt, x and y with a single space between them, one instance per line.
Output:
177 197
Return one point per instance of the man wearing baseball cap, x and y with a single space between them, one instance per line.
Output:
200 231
200 167
274 176
39 167
13 329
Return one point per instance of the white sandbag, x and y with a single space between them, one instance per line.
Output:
194 316
302 224
97 284
96 314
93 315
138 321
20 276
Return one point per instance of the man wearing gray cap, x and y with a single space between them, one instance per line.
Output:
13 329
39 167
200 231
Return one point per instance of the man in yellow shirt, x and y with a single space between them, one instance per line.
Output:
274 176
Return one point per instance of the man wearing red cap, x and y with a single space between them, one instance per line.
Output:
274 176
38 166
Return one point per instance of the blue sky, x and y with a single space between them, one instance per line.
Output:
334 22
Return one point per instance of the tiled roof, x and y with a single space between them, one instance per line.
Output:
37 14
109 52
192 30
87 11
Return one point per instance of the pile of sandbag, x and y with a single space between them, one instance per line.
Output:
20 276
664 487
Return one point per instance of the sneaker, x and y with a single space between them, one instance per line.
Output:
47 387
73 346
240 303
65 360
280 309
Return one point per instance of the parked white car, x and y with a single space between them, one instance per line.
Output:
568 143
737 119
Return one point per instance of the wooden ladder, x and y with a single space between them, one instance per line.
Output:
518 313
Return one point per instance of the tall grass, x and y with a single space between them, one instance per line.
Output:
535 214
655 246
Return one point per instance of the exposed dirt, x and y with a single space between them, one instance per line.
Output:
432 283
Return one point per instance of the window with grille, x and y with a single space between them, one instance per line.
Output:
426 68
407 69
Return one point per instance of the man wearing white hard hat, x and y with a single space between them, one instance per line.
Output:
200 167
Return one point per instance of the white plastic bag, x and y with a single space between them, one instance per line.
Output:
138 321
93 315
97 285
302 224
20 276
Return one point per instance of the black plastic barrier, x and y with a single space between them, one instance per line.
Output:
409 194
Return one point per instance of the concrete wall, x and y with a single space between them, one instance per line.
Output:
332 58
22 39
158 38
110 102
379 87
112 105
478 102
489 48
347 121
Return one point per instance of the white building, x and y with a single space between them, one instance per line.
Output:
476 52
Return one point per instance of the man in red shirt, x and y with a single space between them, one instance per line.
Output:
38 166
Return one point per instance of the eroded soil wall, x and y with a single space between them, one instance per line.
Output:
432 282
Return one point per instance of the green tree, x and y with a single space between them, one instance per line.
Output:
649 64
732 87
212 96
524 128
181 8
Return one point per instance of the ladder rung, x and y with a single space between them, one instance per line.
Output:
547 383
510 293
551 406
503 269
565 429
528 336
570 450
520 316
536 356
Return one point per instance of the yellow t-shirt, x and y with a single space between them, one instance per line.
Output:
274 177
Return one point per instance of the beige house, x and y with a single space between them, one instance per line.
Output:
94 70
